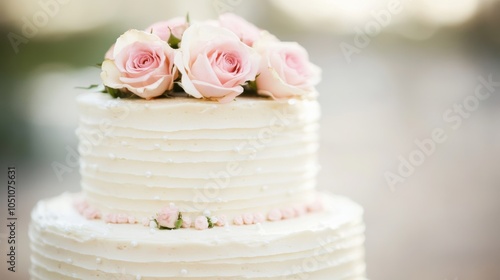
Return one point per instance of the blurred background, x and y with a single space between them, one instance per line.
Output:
393 72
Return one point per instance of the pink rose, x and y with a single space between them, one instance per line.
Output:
163 28
109 53
201 223
285 70
142 64
247 32
214 63
167 217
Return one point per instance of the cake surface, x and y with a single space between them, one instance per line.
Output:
326 245
252 155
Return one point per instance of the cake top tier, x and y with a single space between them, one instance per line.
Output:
211 60
247 157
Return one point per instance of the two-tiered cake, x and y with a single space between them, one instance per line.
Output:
221 186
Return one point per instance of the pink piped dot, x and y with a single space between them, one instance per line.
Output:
274 215
132 220
186 222
287 213
315 206
221 221
238 220
300 210
110 218
258 218
121 219
248 219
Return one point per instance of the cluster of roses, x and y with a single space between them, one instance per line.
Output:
216 59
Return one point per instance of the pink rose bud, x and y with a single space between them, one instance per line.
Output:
175 26
287 213
142 63
274 215
145 222
186 222
258 218
238 220
214 63
167 217
246 31
248 219
201 223
285 70
221 221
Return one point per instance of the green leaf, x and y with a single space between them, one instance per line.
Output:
178 224
210 224
99 65
173 41
187 18
113 92
89 87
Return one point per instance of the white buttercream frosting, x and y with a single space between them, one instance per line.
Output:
251 155
252 161
326 245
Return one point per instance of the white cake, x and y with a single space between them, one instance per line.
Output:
249 165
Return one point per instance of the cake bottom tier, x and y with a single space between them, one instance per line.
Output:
323 245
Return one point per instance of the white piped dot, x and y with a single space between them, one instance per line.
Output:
157 146
264 188
206 213
98 260
152 230
171 205
184 271
258 169
152 224
112 156
146 106
218 199
149 174
133 243
69 260
156 197
124 143
292 101
138 277
74 275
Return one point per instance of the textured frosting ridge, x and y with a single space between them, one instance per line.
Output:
326 245
250 155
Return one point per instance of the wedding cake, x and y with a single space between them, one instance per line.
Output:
199 162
